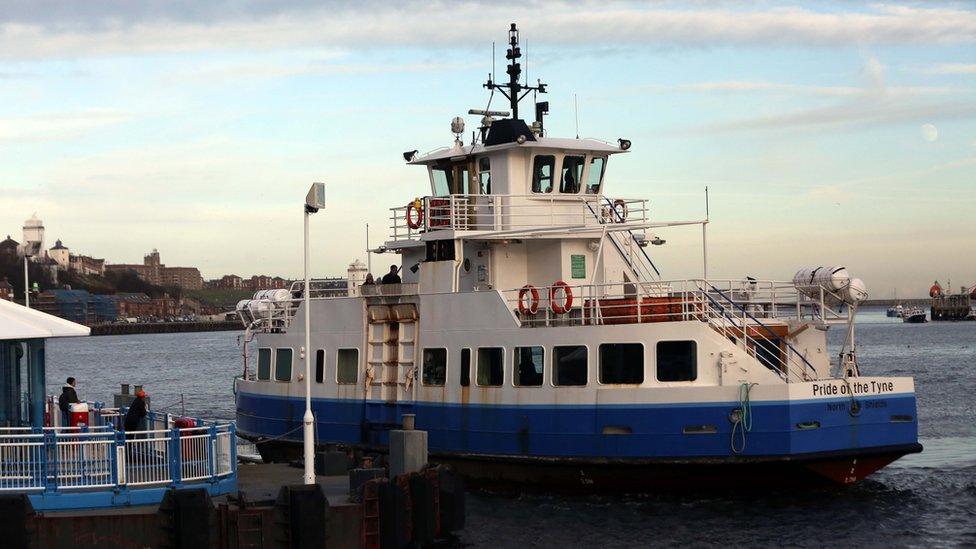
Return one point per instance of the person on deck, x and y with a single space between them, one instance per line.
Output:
137 413
369 280
68 397
392 277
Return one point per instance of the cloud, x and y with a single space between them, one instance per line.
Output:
754 86
124 28
872 104
57 126
954 68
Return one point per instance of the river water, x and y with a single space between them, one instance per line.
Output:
924 499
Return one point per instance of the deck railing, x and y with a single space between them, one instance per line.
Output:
61 460
470 212
742 311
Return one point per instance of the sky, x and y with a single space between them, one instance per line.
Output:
827 133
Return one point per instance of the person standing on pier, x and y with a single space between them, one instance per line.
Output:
137 412
68 397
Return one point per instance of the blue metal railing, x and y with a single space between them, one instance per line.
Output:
102 466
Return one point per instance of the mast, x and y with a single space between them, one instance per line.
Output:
513 90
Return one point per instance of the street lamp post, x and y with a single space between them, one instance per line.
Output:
26 282
314 201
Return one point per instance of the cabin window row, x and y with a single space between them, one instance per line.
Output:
618 364
346 365
570 175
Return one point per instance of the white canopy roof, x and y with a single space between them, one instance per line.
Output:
19 322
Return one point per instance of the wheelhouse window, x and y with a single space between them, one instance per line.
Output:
319 365
491 366
484 175
451 178
677 361
465 367
434 369
264 364
347 366
442 177
571 174
569 365
622 363
528 366
595 176
542 172
283 364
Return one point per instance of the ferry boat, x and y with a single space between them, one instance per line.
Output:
535 339
914 315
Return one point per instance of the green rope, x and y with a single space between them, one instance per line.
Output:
746 405
743 422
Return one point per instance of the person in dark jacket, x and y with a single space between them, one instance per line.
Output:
392 277
68 397
136 413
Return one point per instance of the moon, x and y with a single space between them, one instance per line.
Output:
929 132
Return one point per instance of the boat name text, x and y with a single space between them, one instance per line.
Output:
856 388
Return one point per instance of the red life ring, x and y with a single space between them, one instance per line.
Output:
620 208
556 308
533 306
413 207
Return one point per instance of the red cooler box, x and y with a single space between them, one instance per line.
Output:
78 414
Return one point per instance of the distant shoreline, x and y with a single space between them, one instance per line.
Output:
164 327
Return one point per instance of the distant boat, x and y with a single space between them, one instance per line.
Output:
914 315
895 311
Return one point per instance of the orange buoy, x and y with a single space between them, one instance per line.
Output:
415 207
935 290
567 292
533 304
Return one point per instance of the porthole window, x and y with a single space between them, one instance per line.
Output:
465 367
491 366
264 364
622 363
283 364
569 365
319 365
677 361
347 366
434 367
528 366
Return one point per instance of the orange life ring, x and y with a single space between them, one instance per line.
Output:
533 306
620 208
415 207
556 308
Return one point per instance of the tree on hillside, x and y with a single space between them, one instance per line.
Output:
12 268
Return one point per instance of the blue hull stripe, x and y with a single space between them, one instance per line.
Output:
656 431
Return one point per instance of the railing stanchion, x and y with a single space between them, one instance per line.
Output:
214 447
175 459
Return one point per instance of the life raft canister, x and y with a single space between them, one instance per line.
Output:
415 206
533 305
620 208
568 304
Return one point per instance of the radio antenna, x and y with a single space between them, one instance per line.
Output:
513 90
492 60
576 110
